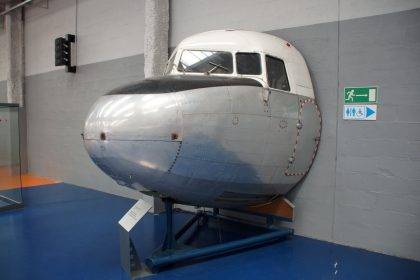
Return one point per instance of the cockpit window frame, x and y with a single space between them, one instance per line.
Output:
232 70
171 63
288 89
262 77
249 53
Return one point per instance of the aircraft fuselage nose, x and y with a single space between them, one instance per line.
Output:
141 117
133 138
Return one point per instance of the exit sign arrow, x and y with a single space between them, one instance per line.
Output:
357 95
369 112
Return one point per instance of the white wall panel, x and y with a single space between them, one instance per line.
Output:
350 9
41 27
105 30
190 17
109 29
2 55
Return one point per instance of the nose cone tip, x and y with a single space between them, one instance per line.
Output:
134 138
134 117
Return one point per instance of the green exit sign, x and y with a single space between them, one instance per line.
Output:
354 95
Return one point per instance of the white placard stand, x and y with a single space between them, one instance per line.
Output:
129 258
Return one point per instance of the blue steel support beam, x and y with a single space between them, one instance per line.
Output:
170 241
159 261
188 225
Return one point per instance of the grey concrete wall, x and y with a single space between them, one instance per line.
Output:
3 56
377 198
14 52
57 105
156 37
3 91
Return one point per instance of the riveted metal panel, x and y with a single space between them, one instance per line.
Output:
283 104
307 140
134 117
133 163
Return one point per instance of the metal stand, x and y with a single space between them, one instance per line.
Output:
170 240
129 257
12 204
169 254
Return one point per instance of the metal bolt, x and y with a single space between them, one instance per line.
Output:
283 124
235 120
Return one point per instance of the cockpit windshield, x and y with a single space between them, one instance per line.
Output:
208 62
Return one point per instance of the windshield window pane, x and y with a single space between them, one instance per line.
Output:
206 62
248 63
276 73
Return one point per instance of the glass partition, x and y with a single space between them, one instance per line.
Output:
10 173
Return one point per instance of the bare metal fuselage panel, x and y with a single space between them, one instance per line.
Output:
209 141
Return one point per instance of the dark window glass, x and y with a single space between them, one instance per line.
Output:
248 63
276 73
206 62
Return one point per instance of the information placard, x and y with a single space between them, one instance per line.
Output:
134 215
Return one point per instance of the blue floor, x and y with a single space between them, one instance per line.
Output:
68 232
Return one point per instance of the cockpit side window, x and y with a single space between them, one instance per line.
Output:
209 62
248 63
276 73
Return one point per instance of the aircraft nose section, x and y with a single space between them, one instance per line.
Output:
137 117
137 164
134 137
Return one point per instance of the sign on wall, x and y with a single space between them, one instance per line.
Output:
360 103
355 95
360 112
